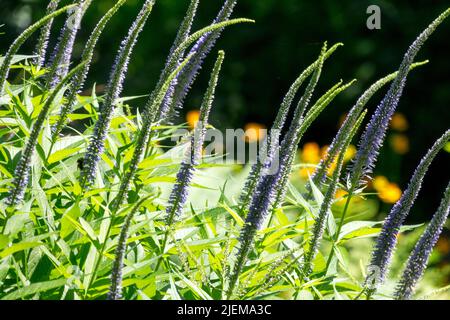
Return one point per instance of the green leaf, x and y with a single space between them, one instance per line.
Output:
196 289
34 288
357 229
4 240
19 247
67 225
234 214
17 58
62 154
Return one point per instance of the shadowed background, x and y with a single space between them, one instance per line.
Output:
263 59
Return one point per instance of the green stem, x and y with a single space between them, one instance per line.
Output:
100 254
341 223
163 249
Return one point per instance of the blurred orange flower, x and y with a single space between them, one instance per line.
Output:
254 132
443 246
399 143
324 151
399 122
380 182
306 172
350 153
311 153
340 194
388 192
192 117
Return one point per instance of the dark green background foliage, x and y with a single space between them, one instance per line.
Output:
263 59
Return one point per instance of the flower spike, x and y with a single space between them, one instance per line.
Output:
386 241
374 135
417 261
114 88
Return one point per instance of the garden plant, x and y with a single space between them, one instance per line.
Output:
98 202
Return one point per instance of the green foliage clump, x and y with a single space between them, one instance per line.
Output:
106 210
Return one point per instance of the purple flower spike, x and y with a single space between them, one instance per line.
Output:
182 84
373 138
385 245
114 88
180 192
417 261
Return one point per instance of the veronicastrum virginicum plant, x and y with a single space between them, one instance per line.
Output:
109 231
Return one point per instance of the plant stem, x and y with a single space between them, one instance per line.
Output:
338 230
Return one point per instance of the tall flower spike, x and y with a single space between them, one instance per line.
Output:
264 194
22 171
312 114
321 219
154 102
189 74
336 146
41 47
78 81
115 291
60 60
372 139
144 133
385 244
151 111
179 194
417 261
7 59
182 35
277 126
114 89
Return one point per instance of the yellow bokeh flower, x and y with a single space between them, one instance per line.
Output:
254 132
340 194
306 172
443 246
379 183
311 153
399 143
333 166
324 151
391 193
399 122
192 117
350 153
388 192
